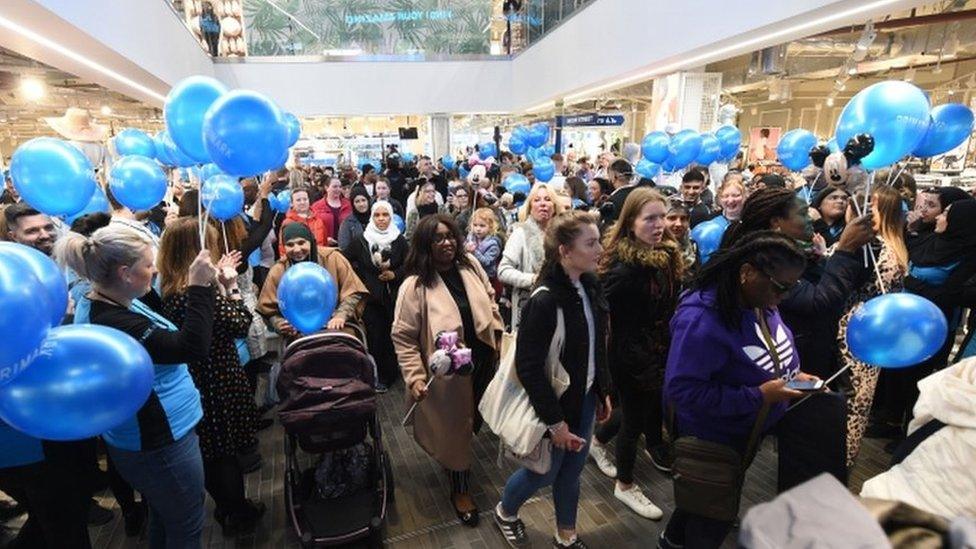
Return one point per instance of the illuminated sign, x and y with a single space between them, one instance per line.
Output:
394 16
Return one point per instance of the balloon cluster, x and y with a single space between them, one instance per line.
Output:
898 116
668 153
895 117
451 357
61 382
531 142
236 133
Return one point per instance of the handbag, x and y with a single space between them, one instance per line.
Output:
708 475
507 411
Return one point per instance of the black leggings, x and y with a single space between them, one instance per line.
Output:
379 323
642 415
213 41
224 481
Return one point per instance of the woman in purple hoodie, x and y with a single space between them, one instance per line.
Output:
731 352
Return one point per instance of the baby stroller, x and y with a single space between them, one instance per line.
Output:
328 406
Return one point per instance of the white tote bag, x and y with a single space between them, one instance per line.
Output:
505 405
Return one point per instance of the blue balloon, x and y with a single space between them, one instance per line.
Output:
517 183
538 135
793 149
86 380
654 147
407 157
133 141
137 182
463 171
647 169
448 162
223 197
98 203
951 124
894 112
244 133
282 201
543 169
25 315
307 296
547 151
294 127
52 175
730 138
366 162
832 146
398 221
209 170
184 110
668 165
487 150
49 276
711 149
517 145
171 152
684 148
896 330
708 236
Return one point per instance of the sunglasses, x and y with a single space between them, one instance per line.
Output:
779 287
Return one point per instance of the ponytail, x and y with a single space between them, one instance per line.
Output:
98 256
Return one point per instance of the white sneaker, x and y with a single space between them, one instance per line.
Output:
602 458
638 502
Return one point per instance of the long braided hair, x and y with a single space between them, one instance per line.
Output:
758 212
765 250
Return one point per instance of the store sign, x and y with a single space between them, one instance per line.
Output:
394 16
591 119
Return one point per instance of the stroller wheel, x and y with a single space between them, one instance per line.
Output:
376 533
307 539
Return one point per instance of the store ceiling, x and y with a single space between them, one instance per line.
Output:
933 46
21 116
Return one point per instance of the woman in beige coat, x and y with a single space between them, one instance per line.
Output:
446 290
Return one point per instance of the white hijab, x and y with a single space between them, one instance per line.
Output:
373 235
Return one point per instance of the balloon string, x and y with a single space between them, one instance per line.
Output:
865 210
903 166
406 418
827 382
200 221
223 229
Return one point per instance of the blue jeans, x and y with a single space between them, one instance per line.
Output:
171 482
564 475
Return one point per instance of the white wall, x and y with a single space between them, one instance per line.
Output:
356 88
613 39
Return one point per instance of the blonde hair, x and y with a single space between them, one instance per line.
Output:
97 257
892 225
488 216
526 208
733 182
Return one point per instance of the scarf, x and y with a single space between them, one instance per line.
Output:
357 191
666 257
956 243
301 230
373 235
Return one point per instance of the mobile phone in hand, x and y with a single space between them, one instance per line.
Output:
809 385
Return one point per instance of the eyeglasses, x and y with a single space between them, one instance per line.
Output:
779 287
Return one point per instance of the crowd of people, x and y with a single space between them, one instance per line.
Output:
594 270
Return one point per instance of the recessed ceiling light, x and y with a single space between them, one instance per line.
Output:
32 88
830 101
106 110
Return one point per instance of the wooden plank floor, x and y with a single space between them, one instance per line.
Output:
422 516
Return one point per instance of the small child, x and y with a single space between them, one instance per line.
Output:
484 243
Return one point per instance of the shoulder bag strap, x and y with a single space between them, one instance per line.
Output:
751 445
